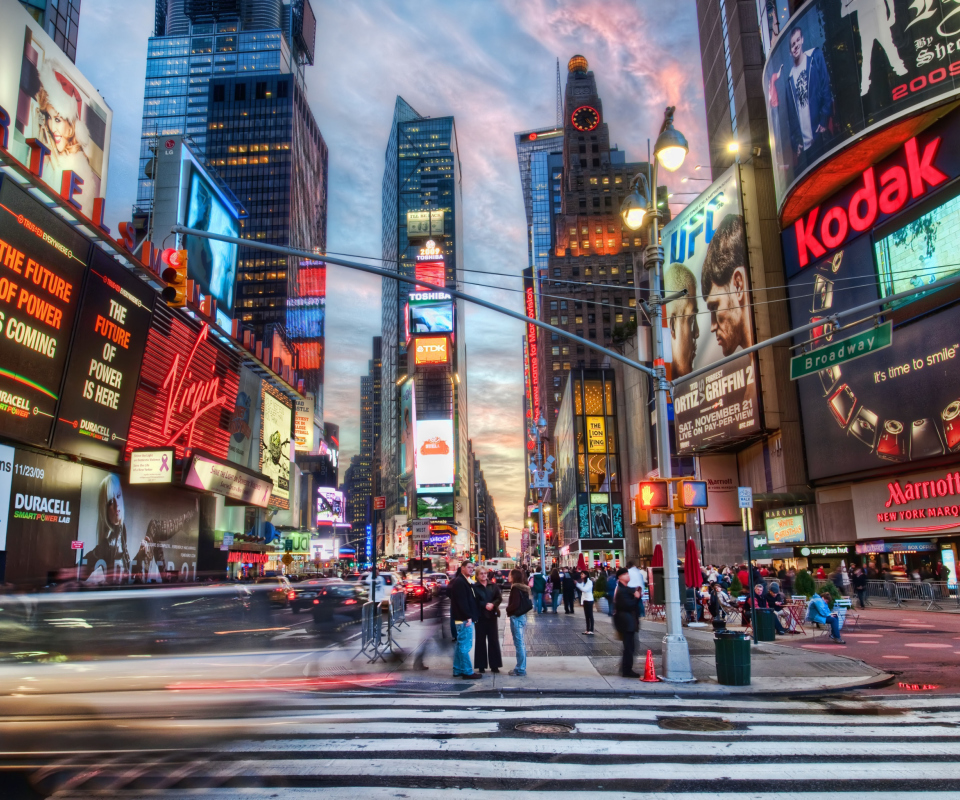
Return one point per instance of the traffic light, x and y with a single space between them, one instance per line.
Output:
655 495
692 494
174 274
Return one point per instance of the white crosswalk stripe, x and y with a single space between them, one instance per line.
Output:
388 747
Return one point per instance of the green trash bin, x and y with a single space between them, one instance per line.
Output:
733 658
766 632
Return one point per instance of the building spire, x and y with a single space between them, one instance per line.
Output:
559 99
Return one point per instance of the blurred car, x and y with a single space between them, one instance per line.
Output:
441 581
387 583
338 604
282 592
305 592
417 593
501 577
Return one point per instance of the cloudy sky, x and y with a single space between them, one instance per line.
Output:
491 65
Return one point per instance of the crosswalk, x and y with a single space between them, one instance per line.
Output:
384 747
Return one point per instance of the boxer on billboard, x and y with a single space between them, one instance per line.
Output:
682 318
726 289
875 21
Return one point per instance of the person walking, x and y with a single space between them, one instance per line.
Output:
568 583
625 620
518 606
539 585
638 580
464 613
556 586
859 581
585 585
489 597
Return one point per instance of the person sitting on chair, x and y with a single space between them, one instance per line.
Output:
819 613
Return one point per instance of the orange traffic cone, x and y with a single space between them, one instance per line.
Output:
649 675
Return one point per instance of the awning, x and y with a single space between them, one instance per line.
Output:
241 486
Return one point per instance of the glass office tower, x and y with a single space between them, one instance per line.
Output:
61 21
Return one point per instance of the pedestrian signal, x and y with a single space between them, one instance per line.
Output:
654 495
174 274
692 494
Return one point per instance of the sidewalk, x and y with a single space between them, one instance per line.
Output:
560 659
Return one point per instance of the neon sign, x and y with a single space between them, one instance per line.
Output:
531 309
198 397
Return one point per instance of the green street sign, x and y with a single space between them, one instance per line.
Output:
862 344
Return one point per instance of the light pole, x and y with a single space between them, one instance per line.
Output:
670 151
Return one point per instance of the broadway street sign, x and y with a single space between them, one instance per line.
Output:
857 346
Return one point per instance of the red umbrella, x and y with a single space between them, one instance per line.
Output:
657 560
691 566
581 564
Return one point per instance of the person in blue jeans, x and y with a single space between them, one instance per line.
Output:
464 613
539 587
518 606
819 612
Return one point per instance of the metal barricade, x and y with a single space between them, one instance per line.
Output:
929 594
371 633
398 610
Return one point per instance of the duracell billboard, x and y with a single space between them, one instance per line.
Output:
42 264
896 228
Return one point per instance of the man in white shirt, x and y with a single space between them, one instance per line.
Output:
638 580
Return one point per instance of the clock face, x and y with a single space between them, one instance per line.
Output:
585 118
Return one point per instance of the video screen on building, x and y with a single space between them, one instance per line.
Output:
431 316
331 507
434 453
211 263
437 503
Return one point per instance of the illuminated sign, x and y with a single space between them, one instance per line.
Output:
244 557
431 271
596 435
228 480
424 223
303 424
111 332
41 271
654 495
434 453
331 507
151 466
923 502
430 312
437 504
784 526
188 388
692 494
276 419
530 303
432 351
306 317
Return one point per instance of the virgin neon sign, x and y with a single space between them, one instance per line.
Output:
197 397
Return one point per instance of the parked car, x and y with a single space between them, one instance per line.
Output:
305 592
338 604
282 592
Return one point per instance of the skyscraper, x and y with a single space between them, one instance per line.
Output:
195 40
422 230
60 19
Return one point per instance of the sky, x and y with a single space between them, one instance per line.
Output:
490 64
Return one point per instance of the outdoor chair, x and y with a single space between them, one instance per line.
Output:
847 604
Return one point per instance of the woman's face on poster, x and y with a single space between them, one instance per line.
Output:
114 511
60 128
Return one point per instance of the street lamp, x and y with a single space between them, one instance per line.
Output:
670 151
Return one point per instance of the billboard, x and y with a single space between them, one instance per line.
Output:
900 404
784 526
47 99
432 350
331 507
421 224
188 388
843 68
408 416
435 504
434 452
430 312
211 264
303 424
42 264
707 256
276 421
101 381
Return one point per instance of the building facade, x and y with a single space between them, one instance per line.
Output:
60 19
423 236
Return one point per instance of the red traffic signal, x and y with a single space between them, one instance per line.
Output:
692 494
174 274
654 495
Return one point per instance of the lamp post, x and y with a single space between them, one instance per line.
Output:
669 151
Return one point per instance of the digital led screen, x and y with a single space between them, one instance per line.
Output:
111 332
434 453
434 272
42 264
784 526
431 317
707 257
331 507
211 264
432 350
435 504
305 317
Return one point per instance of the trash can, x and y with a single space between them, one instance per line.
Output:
766 632
733 658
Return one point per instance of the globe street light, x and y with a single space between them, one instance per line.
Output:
670 151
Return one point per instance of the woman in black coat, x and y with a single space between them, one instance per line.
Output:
486 652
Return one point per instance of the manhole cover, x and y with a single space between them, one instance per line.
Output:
703 724
543 727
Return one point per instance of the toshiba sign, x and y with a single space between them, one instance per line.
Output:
432 351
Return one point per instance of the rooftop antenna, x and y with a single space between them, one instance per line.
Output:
559 98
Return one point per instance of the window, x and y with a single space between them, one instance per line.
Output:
618 317
563 319
588 272
218 94
593 181
606 181
579 319
555 351
596 202
556 274
586 244
554 320
583 148
594 148
556 366
583 230
556 381
636 242
610 243
566 350
240 92
599 244
603 270
618 179
614 270
563 305
591 318
282 89
553 305
573 231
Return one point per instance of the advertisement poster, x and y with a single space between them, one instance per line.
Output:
6 479
596 435
784 526
101 381
720 473
44 517
431 315
48 99
407 418
331 506
843 67
275 424
303 424
897 405
244 424
434 452
435 504
42 263
212 264
135 534
908 504
706 250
